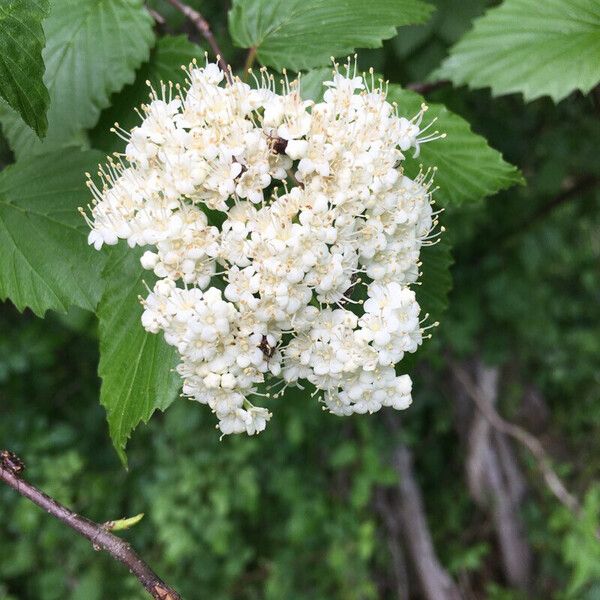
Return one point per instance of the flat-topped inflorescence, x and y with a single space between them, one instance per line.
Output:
267 217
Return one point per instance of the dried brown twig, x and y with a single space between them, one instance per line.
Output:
11 470
494 478
528 440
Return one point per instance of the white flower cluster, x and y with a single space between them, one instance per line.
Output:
268 216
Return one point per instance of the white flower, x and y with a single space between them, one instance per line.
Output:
265 218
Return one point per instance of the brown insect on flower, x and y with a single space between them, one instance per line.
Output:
278 144
242 171
11 462
266 348
354 281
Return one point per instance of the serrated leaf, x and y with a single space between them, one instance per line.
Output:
467 168
136 367
45 261
166 59
536 48
92 50
311 83
301 34
436 280
21 63
432 293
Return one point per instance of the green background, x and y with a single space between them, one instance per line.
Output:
292 513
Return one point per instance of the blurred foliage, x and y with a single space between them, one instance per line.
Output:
289 514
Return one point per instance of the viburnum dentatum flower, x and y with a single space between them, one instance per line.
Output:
268 217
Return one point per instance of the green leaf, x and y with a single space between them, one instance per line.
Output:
300 34
311 83
136 367
21 63
467 168
166 59
93 49
122 524
432 293
45 261
537 48
436 279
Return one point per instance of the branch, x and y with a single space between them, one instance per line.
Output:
201 24
434 580
580 186
495 481
158 18
11 469
393 534
427 87
528 440
587 182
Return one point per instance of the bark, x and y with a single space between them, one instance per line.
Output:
434 580
11 469
495 480
393 533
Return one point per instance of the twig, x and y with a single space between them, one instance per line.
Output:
495 482
11 469
158 18
528 440
201 24
580 186
426 87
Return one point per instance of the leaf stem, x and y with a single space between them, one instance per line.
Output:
250 58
